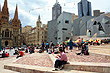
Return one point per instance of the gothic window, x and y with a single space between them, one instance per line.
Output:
2 33
6 33
15 39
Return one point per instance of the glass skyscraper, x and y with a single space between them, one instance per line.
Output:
84 8
56 10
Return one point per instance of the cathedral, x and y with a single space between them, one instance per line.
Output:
10 31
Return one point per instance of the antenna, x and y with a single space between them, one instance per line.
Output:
56 1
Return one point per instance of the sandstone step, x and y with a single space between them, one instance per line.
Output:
36 69
91 67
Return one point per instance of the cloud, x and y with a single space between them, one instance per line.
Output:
45 11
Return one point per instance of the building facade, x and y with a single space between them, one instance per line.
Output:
38 34
9 31
84 8
25 31
79 26
99 26
59 30
56 10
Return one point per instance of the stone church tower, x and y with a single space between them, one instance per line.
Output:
9 30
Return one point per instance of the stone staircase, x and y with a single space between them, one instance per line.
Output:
76 67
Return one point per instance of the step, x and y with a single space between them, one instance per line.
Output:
37 69
91 67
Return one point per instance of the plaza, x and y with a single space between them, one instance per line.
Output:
97 61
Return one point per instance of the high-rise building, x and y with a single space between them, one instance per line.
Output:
56 10
84 8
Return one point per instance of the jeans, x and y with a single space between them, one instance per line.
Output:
58 63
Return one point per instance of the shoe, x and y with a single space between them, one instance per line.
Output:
61 67
56 69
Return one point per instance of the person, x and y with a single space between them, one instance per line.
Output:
16 52
63 46
79 43
82 42
26 51
20 54
47 46
71 45
7 54
61 60
51 45
3 54
43 45
84 50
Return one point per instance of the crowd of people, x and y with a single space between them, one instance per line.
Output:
51 48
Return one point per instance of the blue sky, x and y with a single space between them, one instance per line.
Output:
44 8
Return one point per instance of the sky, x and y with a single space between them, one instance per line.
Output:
29 10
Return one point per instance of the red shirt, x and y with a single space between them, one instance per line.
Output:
7 55
21 53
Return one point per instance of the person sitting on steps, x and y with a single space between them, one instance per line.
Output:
62 59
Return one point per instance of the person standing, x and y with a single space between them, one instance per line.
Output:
43 45
70 45
79 43
47 46
63 46
51 45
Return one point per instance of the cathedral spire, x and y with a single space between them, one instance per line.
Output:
5 12
5 7
5 4
16 13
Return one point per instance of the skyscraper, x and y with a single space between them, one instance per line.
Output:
84 8
56 10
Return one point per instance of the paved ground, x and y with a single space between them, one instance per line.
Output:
42 59
6 61
36 59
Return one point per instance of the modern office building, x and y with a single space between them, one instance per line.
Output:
99 26
59 30
84 8
56 10
79 26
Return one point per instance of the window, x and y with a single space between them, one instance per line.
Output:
55 38
59 38
59 21
10 33
45 32
42 36
67 38
6 33
42 32
15 39
64 28
95 23
67 21
2 33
